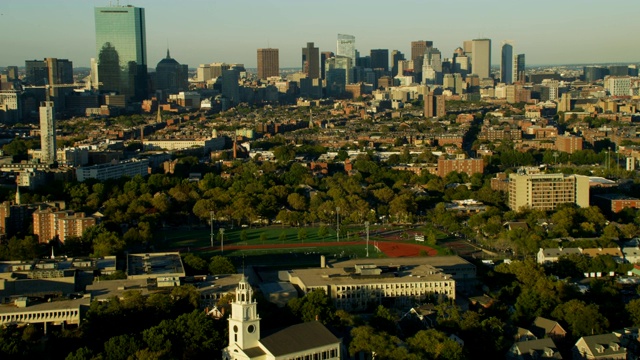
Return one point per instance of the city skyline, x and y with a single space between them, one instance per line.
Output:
206 32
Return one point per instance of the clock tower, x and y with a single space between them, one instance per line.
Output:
244 322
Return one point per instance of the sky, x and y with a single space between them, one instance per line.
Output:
206 31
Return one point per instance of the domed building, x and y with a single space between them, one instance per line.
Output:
171 76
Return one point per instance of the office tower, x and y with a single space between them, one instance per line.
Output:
171 76
36 72
452 82
518 69
632 70
418 48
338 75
50 71
347 47
481 58
323 59
618 70
467 47
547 191
380 59
12 73
310 61
461 65
47 133
363 62
396 57
121 47
230 87
268 63
432 67
594 73
506 63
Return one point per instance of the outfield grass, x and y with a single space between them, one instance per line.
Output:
172 238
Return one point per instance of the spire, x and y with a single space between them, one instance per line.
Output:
18 197
168 56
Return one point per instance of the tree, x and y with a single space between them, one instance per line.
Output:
221 265
322 231
197 264
302 234
120 347
433 344
583 319
263 237
315 304
633 309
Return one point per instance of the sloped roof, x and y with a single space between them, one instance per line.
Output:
299 337
602 346
538 349
543 324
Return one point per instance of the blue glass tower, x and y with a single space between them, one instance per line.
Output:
121 48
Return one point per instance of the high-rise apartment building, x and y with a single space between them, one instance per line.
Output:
121 46
268 63
434 105
47 133
518 69
380 59
311 61
347 47
547 191
506 63
481 58
618 85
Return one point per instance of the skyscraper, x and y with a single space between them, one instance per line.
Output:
121 47
47 133
432 66
323 58
418 48
171 76
310 61
268 63
506 63
347 47
518 68
380 59
50 71
396 57
481 57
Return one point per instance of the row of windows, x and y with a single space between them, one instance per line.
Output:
420 285
323 355
38 316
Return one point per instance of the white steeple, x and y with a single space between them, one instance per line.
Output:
244 322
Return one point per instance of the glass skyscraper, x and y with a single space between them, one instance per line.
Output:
506 63
347 47
121 48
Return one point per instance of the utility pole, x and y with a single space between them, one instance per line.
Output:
366 226
211 214
221 240
338 223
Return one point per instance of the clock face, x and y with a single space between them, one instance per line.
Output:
235 328
251 329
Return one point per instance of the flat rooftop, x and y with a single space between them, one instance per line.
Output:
154 265
46 306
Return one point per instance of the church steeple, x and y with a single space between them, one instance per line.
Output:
244 322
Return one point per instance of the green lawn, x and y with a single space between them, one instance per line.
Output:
171 238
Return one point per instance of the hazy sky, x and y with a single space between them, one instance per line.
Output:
205 31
